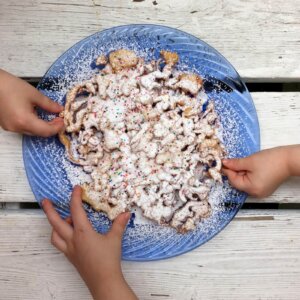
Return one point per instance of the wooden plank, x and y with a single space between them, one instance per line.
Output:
260 38
14 186
279 114
288 192
279 118
258 251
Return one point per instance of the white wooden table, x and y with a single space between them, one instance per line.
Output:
258 255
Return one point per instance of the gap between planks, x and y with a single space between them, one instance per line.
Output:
263 47
264 86
278 113
245 261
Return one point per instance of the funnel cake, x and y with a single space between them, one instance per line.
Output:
140 130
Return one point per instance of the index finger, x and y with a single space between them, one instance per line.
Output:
46 103
79 216
59 225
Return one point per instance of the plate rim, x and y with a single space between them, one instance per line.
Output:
243 196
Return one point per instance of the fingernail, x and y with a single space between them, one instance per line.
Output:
58 120
58 105
43 202
77 187
127 215
53 121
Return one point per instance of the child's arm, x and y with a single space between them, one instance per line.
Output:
261 173
96 257
17 102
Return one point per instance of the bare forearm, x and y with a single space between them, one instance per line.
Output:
114 290
293 159
3 82
6 78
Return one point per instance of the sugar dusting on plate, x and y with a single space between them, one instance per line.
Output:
141 229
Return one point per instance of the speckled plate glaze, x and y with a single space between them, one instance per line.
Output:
45 161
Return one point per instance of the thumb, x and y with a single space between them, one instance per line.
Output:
236 179
42 128
119 224
236 164
47 104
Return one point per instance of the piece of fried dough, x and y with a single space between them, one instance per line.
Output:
66 142
100 203
122 59
191 83
171 58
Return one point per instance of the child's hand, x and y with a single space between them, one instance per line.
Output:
95 256
259 174
17 102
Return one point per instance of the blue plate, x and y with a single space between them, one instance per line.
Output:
51 175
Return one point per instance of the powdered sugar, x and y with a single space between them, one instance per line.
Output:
151 163
77 176
222 85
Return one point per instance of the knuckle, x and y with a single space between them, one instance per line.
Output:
117 232
253 193
53 240
5 127
44 98
237 162
117 239
48 101
47 131
70 244
20 122
259 191
8 127
80 233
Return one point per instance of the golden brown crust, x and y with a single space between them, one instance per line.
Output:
64 139
66 142
191 77
102 191
187 112
171 58
122 59
86 198
70 97
101 60
190 83
112 211
180 102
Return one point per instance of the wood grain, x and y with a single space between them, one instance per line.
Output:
279 117
256 257
260 38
